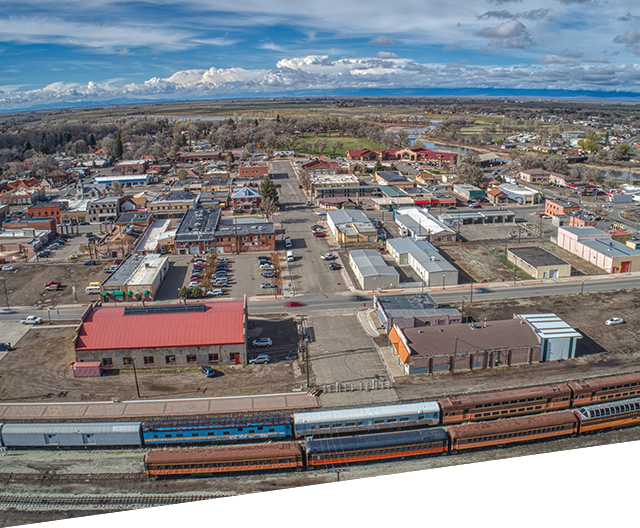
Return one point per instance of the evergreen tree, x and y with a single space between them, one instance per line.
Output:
92 140
229 158
44 147
118 148
268 190
378 166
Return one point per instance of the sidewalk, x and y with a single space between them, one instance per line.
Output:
370 324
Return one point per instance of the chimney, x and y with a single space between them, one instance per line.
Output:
164 196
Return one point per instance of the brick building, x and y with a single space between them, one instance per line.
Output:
253 171
38 224
47 209
556 206
240 235
164 336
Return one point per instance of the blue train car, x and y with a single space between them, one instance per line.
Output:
385 417
376 447
217 429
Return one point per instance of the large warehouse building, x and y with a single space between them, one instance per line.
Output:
162 336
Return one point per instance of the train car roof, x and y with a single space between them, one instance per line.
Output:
71 428
243 421
220 454
382 411
472 400
600 383
509 425
599 410
375 441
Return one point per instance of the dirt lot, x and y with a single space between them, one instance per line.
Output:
25 286
478 264
603 350
38 369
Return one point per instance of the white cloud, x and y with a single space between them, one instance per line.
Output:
37 30
511 34
386 55
319 72
555 59
382 41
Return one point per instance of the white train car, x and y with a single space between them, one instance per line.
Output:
381 418
113 434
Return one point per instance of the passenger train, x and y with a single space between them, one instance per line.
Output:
329 439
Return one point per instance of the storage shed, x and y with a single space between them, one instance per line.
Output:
72 434
87 369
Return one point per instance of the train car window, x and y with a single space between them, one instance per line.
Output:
252 430
403 419
195 434
239 428
358 423
225 432
378 421
337 425
350 424
421 416
167 436
156 436
179 435
391 420
271 430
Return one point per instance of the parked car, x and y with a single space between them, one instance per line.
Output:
521 220
209 372
31 319
320 234
267 267
267 285
291 355
546 216
6 311
90 263
316 226
327 256
476 206
193 284
118 261
262 342
334 266
52 285
262 358
268 274
614 321
5 346
8 268
215 292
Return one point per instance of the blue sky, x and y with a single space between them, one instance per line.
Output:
74 51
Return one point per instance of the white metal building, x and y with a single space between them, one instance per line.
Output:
424 259
371 271
557 339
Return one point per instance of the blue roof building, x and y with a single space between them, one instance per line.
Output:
311 511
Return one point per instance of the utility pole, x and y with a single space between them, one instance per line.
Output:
455 351
135 374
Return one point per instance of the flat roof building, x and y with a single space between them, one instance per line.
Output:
371 271
432 268
599 248
538 262
196 234
455 348
138 277
416 222
412 311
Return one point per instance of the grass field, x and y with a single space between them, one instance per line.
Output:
348 143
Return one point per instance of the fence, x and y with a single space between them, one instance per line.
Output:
352 386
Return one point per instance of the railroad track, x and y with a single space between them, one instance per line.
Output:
71 477
107 502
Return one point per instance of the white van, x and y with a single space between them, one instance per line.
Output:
92 289
290 257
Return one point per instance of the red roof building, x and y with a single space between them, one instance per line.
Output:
164 335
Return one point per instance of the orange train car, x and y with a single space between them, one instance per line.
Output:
512 430
605 389
610 415
232 459
504 404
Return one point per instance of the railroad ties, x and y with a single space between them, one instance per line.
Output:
106 502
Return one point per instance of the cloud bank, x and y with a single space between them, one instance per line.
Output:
315 73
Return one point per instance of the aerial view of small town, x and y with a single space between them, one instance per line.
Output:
296 262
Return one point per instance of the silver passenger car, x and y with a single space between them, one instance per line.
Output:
72 434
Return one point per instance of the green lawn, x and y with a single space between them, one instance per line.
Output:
607 458
349 143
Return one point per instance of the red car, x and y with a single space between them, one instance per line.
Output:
320 234
293 303
53 284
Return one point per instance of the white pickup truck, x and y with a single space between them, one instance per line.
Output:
32 319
